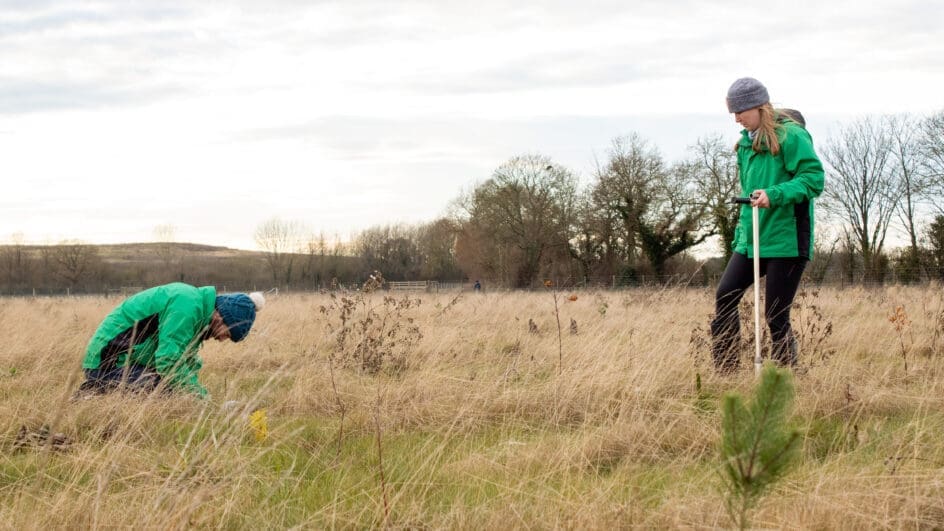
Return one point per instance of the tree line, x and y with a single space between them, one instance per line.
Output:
638 218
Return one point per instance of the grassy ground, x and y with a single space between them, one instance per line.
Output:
473 421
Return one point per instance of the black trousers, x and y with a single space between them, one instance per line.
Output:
783 278
138 379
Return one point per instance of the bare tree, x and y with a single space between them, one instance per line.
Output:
15 263
658 207
436 241
280 240
75 261
338 250
166 235
624 186
863 189
677 219
935 241
931 140
525 210
596 243
827 244
480 255
166 232
914 185
323 260
315 266
716 181
391 249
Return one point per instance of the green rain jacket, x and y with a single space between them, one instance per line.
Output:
792 179
163 327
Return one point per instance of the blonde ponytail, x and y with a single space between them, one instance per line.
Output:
766 137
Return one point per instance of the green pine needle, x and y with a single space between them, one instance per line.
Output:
757 446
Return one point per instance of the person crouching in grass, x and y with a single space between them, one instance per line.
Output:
152 339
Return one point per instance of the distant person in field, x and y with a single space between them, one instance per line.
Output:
152 338
780 170
477 286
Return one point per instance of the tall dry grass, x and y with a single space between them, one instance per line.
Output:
487 425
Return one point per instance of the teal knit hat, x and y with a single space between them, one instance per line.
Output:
238 311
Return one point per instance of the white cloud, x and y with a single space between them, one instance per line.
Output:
116 117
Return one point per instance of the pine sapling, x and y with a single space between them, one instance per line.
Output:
757 446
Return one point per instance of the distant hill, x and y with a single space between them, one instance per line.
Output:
135 252
138 251
100 268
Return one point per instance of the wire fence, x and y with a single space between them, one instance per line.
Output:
696 280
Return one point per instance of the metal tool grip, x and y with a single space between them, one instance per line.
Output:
741 200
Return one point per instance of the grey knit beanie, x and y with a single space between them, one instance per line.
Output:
746 93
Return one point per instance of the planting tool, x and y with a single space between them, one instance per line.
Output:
758 360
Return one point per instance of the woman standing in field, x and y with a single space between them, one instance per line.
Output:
779 168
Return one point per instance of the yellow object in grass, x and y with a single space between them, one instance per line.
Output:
259 425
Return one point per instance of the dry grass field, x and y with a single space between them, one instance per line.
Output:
459 414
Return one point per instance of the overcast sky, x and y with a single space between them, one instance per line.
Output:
117 117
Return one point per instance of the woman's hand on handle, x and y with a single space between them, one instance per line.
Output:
759 199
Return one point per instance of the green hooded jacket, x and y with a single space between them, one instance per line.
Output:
792 179
163 327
